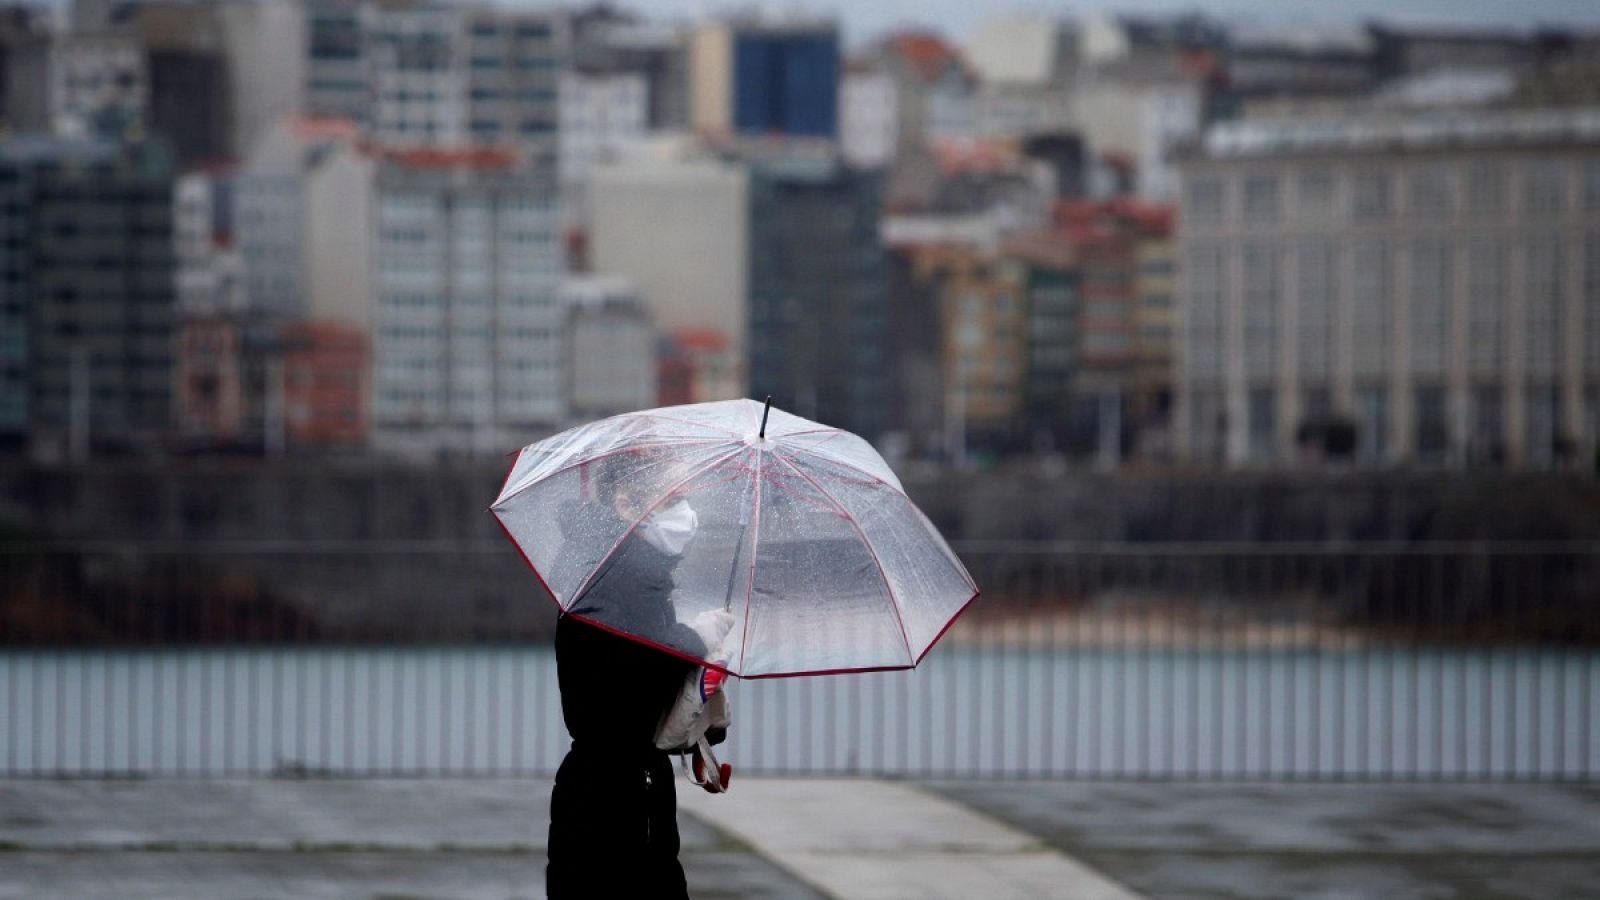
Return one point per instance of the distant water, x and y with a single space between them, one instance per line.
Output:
969 711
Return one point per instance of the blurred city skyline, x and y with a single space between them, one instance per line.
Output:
863 22
956 18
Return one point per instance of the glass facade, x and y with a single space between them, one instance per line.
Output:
786 83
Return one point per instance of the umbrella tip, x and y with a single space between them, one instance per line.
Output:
764 413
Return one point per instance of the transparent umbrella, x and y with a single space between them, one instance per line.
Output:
798 532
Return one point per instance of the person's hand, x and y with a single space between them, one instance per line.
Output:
712 626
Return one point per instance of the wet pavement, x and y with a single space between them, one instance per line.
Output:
1389 841
272 838
484 838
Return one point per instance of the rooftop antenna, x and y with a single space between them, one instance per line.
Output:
764 413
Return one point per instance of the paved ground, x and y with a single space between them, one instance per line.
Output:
1316 840
459 838
877 840
307 840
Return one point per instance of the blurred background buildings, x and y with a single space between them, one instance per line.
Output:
419 229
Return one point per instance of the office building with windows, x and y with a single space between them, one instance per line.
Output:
88 303
467 326
421 74
765 78
1433 278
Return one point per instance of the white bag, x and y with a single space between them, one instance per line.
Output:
702 704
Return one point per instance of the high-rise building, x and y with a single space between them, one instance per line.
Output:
818 289
210 276
88 267
275 227
468 332
606 40
96 83
869 121
602 113
1050 291
338 84
420 74
1433 278
765 78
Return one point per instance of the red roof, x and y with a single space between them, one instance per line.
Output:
316 127
927 52
451 157
704 340
1081 219
959 156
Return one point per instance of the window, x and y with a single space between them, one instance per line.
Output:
1316 193
1542 268
1317 281
1543 423
1262 283
1433 433
1431 193
1488 422
1263 423
1370 294
1261 201
1431 290
1544 187
1370 197
1203 336
1486 305
1372 422
1203 203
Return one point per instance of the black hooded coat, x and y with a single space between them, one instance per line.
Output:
613 813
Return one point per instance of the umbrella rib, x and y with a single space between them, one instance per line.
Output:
894 602
606 455
755 545
606 560
847 464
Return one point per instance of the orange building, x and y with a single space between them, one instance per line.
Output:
325 385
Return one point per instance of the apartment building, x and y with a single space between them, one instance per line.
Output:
1435 278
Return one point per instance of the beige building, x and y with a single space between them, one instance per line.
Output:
1435 278
673 219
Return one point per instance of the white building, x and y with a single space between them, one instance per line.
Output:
439 75
265 46
273 226
1434 277
868 117
468 332
1025 66
602 113
209 271
910 89
611 348
96 82
1141 118
673 218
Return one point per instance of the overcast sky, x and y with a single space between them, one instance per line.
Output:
865 18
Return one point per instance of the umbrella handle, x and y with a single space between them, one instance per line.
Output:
713 777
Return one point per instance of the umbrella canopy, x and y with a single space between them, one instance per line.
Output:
798 531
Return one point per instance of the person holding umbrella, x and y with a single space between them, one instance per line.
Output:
613 813
693 536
